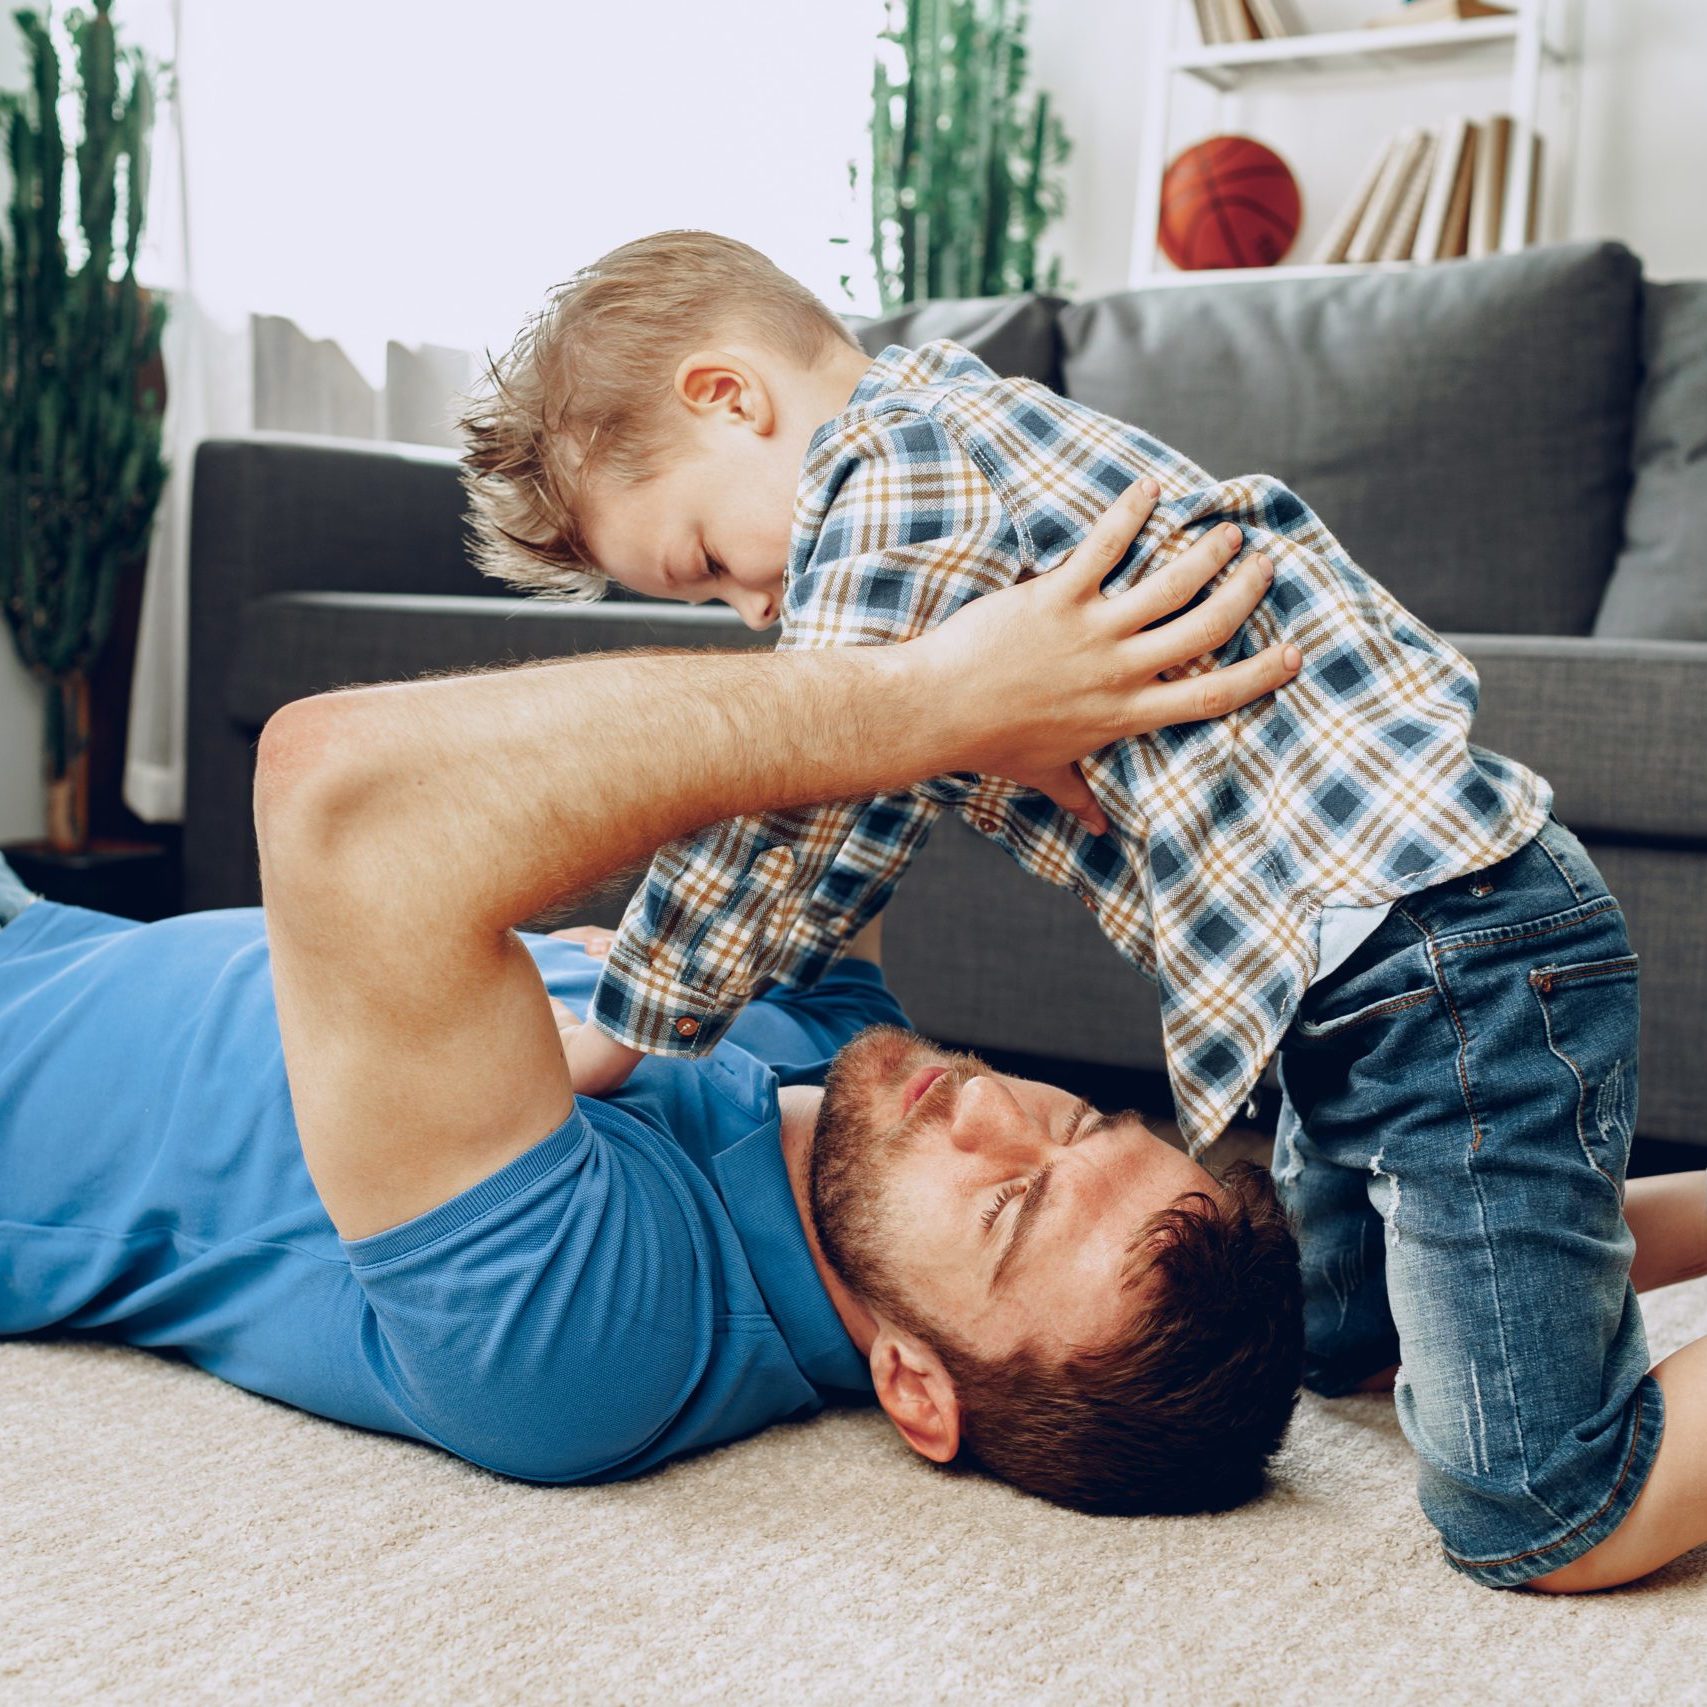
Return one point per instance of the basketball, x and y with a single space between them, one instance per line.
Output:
1228 202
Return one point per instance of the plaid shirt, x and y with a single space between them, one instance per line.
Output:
1354 785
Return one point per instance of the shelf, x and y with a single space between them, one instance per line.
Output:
1254 275
1232 65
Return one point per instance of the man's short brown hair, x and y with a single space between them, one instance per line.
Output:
584 387
1184 1409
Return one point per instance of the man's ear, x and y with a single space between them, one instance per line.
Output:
914 1388
714 383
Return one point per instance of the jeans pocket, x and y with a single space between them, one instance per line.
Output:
1332 1025
1592 1015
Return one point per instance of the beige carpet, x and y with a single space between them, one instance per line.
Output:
164 1537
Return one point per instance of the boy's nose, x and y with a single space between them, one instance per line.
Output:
756 610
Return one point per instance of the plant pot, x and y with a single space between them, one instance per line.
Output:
65 764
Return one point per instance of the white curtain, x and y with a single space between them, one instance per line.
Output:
350 196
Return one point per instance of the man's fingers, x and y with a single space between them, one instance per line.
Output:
1217 692
1208 628
1108 541
1069 790
1167 590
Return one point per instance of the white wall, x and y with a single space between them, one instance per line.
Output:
20 698
1641 130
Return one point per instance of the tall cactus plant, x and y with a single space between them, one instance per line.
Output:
965 169
80 463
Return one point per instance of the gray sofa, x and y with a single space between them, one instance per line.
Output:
1517 447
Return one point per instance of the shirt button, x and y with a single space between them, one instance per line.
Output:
985 825
1089 899
687 1027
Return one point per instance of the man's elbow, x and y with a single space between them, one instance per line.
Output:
306 783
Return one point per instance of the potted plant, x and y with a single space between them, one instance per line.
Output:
80 463
965 165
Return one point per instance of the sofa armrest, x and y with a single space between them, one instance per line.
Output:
278 512
1619 727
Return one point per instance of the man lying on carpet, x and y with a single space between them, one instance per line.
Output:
1336 876
426 1231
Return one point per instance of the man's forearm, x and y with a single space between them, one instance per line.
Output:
473 802
477 801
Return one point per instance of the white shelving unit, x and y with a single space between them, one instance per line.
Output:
1537 36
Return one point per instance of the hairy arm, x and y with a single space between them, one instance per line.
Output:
405 829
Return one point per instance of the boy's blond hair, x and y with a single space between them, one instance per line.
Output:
584 389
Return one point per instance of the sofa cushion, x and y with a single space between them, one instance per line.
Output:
1463 428
1016 335
1659 585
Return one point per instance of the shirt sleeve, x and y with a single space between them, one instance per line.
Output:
856 888
491 1319
912 529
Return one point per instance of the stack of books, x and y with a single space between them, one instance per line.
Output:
1432 195
1440 12
1221 21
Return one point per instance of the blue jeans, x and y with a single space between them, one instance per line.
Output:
1460 1098
14 897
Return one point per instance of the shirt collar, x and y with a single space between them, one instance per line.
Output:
899 368
753 1180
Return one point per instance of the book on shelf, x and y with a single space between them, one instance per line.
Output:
1444 223
1434 195
1487 190
1338 239
1439 12
1385 198
1236 22
1224 22
1275 18
1209 22
1407 214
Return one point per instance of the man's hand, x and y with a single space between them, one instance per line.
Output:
1052 670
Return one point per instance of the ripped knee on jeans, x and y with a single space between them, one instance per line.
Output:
1384 1195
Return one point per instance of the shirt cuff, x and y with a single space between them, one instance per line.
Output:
638 1005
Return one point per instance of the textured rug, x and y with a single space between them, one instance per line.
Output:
165 1537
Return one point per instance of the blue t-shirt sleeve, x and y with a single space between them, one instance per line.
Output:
551 1322
796 1032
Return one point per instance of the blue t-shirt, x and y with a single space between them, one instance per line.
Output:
636 1285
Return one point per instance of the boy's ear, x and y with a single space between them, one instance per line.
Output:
714 383
915 1390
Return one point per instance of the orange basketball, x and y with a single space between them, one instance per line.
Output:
1228 202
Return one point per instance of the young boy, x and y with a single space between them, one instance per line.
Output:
1335 873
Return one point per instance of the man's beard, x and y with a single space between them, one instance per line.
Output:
857 1140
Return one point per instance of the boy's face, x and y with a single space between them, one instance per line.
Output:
714 522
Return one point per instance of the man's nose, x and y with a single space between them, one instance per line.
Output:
989 1120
